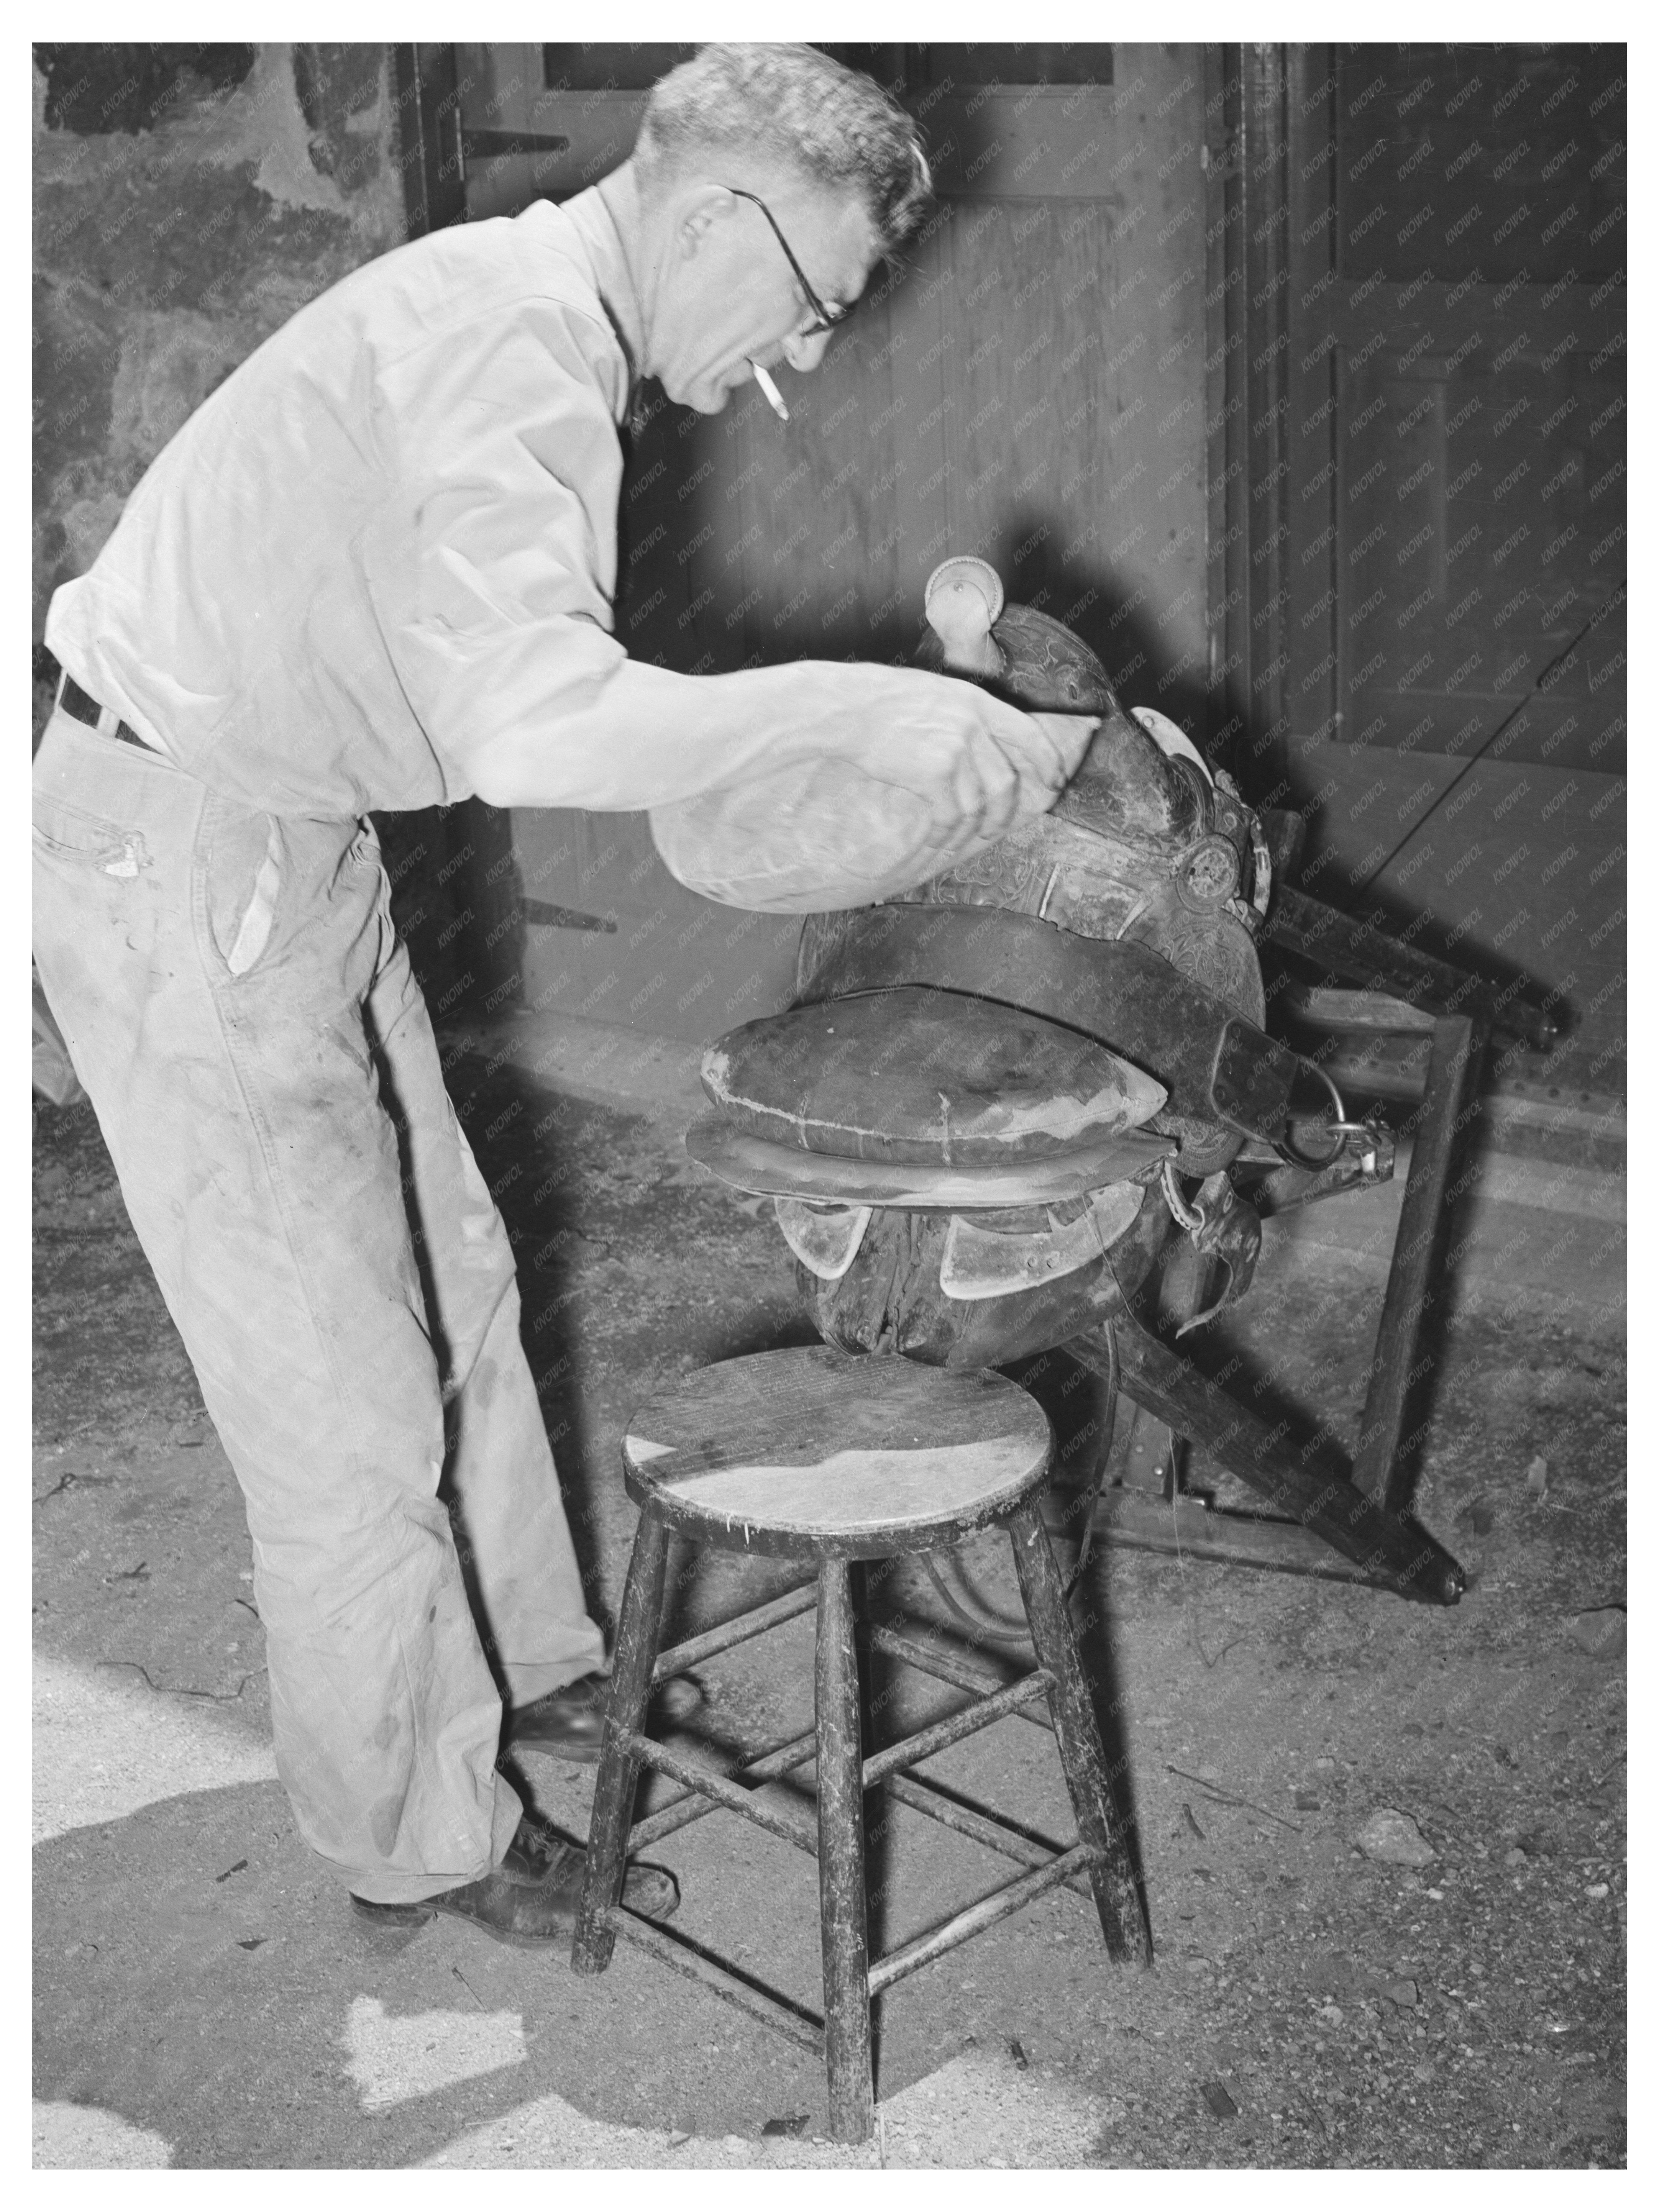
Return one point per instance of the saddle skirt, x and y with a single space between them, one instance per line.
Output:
924 1076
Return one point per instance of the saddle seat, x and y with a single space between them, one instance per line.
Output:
928 1077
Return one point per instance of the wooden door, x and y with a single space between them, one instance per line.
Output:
1465 288
1419 464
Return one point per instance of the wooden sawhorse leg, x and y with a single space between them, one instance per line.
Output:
1403 1364
1117 1897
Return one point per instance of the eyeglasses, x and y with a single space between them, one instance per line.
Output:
828 317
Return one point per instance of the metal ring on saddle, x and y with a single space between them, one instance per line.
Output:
1341 1127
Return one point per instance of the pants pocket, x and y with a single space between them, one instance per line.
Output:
245 867
63 833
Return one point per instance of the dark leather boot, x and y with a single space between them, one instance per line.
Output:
567 1724
529 1900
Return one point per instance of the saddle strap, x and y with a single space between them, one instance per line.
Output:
1214 1065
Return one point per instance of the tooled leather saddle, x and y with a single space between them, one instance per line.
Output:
995 1097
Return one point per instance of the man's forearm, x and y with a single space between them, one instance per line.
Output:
643 736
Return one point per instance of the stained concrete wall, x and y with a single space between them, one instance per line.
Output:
186 201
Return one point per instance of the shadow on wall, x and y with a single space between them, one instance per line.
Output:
1113 614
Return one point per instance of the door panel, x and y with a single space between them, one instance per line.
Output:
1468 289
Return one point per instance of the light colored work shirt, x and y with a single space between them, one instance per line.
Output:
389 535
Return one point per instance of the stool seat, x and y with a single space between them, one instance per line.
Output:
823 1450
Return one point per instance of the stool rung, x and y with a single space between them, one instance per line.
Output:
915 1748
801 2026
957 1672
980 1828
790 1826
1010 1898
738 1629
680 1812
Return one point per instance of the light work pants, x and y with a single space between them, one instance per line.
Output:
239 1008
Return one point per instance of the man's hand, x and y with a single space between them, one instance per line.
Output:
979 765
1069 735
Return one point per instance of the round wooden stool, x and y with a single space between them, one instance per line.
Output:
830 1458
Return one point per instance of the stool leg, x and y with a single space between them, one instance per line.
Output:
1111 1874
841 1863
638 1632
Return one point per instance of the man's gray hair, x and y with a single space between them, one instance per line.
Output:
794 107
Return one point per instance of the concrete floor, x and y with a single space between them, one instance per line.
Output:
199 1999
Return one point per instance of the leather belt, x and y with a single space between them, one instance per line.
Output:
85 708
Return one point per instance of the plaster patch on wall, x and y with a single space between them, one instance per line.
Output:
286 170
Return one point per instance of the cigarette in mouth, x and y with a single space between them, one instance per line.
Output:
771 391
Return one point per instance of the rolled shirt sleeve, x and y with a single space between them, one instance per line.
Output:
807 837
